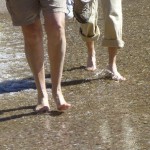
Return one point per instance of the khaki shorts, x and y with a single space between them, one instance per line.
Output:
25 12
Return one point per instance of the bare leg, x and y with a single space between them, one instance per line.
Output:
35 57
55 29
112 67
91 60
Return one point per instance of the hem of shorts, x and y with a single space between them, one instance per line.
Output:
23 23
28 23
113 43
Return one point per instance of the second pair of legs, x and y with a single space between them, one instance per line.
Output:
112 66
34 50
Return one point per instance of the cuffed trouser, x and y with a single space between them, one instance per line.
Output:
90 31
112 10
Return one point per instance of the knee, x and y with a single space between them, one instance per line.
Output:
55 29
59 30
32 32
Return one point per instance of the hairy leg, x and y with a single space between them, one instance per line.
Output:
35 57
55 29
91 60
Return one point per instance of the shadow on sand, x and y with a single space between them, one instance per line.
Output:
28 83
52 113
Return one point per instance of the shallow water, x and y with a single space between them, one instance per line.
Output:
106 115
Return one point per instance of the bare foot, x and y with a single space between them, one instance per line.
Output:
91 63
61 103
114 74
118 77
42 106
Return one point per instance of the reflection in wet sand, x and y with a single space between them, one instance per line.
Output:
105 133
130 134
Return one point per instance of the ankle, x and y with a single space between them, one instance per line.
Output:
42 98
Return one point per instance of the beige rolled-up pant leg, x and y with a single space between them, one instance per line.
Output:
112 23
90 31
112 10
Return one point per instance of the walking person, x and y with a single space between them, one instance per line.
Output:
26 13
86 12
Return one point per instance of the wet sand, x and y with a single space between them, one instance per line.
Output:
106 115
